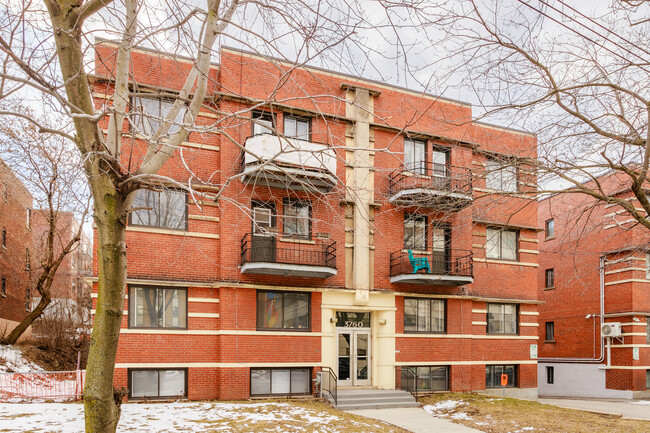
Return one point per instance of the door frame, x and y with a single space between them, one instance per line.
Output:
353 381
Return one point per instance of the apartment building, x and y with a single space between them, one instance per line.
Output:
15 249
594 277
366 231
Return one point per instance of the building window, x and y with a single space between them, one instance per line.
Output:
415 232
647 330
647 266
424 315
550 375
283 310
501 318
549 228
28 300
501 244
262 123
425 378
157 307
157 383
415 155
29 218
297 127
297 219
550 331
501 176
28 260
647 380
5 191
167 209
493 375
280 381
3 287
4 238
550 278
149 114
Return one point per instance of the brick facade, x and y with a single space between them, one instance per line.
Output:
587 232
222 342
15 203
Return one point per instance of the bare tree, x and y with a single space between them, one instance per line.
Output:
48 167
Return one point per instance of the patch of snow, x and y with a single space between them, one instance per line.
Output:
461 415
640 402
444 405
168 417
14 361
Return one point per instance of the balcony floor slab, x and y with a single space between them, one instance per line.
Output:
433 279
288 270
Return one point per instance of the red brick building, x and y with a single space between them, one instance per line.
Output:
303 263
594 273
15 249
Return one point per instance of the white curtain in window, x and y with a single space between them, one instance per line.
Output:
144 383
280 381
172 382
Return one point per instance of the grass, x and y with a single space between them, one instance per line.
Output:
507 415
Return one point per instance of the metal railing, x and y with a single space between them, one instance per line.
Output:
451 262
432 176
329 383
51 385
407 377
268 248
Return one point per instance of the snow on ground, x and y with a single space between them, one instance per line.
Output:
448 409
169 417
640 402
11 359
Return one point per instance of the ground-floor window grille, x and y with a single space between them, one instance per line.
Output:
280 381
493 375
157 383
425 378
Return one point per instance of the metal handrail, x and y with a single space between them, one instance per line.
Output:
322 252
332 383
428 175
408 379
451 262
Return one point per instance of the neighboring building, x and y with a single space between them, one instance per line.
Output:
594 272
15 249
70 289
303 264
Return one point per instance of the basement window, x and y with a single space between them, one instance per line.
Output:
550 375
493 375
157 383
426 378
280 381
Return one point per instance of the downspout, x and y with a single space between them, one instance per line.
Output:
592 360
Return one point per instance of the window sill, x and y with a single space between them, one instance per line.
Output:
283 330
549 341
297 241
549 288
550 238
501 333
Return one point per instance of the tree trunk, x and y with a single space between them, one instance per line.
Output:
27 321
102 411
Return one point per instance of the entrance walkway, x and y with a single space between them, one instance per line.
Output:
414 419
631 409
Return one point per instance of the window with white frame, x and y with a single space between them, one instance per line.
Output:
501 176
502 319
297 219
158 383
501 244
297 127
149 114
549 228
415 155
415 232
157 307
262 122
647 266
550 278
424 315
166 209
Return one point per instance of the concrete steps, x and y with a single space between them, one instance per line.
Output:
372 399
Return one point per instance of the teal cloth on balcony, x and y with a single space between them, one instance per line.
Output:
419 263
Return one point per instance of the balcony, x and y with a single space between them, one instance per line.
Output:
269 255
450 268
289 163
430 185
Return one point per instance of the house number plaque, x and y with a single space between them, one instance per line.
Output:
352 319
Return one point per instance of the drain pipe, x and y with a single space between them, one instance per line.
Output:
592 360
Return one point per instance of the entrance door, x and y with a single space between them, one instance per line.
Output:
441 254
354 357
263 242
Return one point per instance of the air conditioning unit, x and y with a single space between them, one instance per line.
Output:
611 329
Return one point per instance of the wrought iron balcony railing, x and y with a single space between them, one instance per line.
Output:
445 181
452 263
265 248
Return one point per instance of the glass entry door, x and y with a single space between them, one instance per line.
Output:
353 357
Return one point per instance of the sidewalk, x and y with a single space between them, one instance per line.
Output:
414 419
630 409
